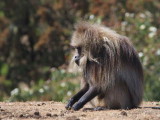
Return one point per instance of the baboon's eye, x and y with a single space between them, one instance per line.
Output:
79 49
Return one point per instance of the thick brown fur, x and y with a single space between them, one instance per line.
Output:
111 64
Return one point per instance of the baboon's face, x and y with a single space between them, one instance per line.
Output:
81 53
78 55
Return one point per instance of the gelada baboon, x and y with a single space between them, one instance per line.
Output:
112 71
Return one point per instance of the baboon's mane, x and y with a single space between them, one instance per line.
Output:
106 52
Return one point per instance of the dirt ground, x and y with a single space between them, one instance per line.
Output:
56 111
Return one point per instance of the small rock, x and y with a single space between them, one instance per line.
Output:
62 114
38 105
2 110
37 113
123 113
49 114
55 115
21 115
43 103
25 115
83 115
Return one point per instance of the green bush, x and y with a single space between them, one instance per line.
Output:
60 87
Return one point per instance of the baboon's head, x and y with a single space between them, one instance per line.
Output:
87 42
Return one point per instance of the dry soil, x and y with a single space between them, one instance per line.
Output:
56 111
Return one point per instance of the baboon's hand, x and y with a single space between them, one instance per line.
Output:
69 105
77 106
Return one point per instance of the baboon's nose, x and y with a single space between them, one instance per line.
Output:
76 59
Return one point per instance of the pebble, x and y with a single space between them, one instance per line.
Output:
49 114
37 113
123 113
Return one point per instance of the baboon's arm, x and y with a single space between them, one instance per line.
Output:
76 97
89 95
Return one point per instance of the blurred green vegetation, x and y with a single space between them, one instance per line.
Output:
35 37
58 88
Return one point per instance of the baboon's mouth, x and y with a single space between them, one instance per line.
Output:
77 62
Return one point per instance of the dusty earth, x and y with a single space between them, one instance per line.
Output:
56 111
